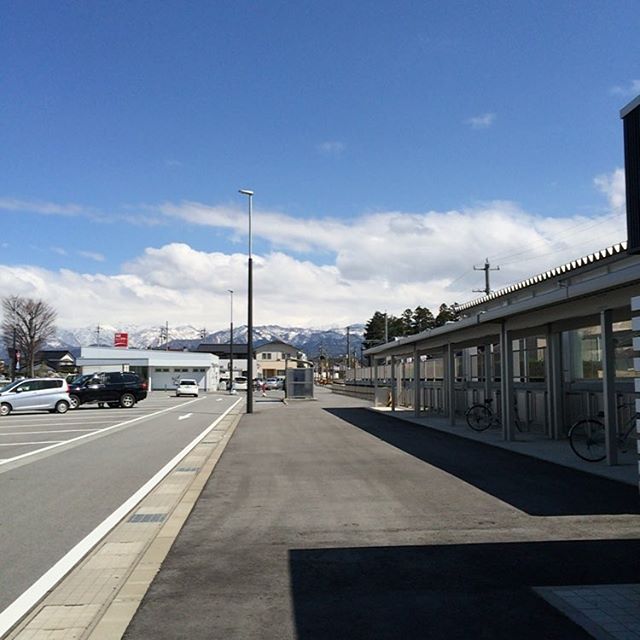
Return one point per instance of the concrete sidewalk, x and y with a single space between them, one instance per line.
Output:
325 520
529 444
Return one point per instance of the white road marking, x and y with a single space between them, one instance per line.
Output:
34 433
22 604
88 435
20 444
185 416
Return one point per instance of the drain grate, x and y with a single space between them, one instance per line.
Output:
147 517
187 469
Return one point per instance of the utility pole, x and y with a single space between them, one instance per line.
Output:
386 327
348 349
486 267
14 359
98 335
231 376
164 336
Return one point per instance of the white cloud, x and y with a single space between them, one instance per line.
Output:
142 215
382 260
630 90
483 121
92 255
377 265
613 186
60 251
331 147
44 208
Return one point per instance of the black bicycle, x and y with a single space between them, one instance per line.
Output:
587 437
480 417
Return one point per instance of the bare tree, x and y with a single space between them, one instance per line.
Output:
27 324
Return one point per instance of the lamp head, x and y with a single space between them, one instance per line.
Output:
245 192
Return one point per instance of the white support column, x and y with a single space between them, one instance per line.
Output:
488 373
609 385
393 383
375 381
506 384
555 398
417 399
450 376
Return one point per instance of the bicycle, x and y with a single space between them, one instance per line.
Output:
480 417
587 437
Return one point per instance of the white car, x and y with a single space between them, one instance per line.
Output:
273 383
187 387
240 383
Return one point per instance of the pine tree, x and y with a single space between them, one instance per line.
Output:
407 322
374 330
446 314
423 319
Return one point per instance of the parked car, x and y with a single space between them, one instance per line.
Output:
35 394
240 383
187 387
112 388
273 383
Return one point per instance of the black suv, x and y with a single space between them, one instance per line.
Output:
111 388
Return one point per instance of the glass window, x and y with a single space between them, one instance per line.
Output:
528 359
586 351
623 346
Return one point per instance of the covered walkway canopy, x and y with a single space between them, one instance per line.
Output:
550 349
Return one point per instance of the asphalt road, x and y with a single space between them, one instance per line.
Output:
323 520
52 497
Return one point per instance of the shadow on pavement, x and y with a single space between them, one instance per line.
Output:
452 591
536 487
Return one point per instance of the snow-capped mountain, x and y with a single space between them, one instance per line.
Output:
313 342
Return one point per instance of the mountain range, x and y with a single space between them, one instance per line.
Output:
313 342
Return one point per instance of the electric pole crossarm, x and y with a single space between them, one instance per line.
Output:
486 267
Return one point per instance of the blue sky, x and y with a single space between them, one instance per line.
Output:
391 147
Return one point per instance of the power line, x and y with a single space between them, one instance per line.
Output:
550 253
561 234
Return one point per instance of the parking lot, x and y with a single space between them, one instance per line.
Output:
28 433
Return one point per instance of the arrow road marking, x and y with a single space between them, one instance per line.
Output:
188 415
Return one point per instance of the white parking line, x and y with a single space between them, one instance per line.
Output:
4 423
21 605
34 433
20 444
88 435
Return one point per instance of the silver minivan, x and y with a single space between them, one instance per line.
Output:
35 394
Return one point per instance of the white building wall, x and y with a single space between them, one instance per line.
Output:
165 368
635 313
167 378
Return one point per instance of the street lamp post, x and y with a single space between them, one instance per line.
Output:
249 194
231 389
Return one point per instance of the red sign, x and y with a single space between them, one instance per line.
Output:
121 340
